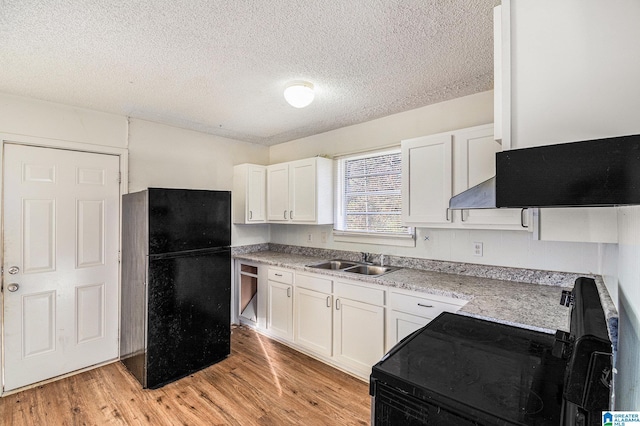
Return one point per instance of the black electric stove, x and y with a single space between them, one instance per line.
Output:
459 370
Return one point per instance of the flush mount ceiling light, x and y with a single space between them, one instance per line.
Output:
299 94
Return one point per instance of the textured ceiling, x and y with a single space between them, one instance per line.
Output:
220 66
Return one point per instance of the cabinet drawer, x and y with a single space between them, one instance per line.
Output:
323 285
281 276
366 294
424 306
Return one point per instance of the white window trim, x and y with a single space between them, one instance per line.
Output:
339 235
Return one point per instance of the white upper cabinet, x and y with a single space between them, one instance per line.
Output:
474 162
278 193
427 172
300 191
436 167
564 73
570 69
249 193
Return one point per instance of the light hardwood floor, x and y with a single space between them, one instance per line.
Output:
262 382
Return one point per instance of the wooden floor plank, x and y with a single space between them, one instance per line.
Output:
262 383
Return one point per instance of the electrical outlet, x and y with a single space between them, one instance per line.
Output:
477 249
323 237
309 238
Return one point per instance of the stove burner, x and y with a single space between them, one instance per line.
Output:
512 397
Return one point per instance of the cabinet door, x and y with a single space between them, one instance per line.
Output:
280 309
358 334
588 93
427 179
302 190
475 161
313 321
400 325
256 194
278 193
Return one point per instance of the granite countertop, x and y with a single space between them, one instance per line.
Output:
527 305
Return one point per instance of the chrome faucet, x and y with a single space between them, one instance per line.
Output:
366 258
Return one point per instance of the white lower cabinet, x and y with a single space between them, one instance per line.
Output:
401 324
349 324
409 310
358 335
313 322
358 326
280 303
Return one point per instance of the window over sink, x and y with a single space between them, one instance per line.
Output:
369 199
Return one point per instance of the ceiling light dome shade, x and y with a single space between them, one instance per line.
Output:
299 94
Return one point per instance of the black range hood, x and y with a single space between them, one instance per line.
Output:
595 173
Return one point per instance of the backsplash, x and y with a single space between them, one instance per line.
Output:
533 276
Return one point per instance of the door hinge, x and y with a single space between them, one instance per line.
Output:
119 177
119 257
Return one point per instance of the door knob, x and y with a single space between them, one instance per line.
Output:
13 287
13 270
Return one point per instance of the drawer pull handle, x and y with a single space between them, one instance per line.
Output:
278 275
425 306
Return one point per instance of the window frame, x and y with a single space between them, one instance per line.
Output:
341 234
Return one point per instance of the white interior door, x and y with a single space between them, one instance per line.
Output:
61 233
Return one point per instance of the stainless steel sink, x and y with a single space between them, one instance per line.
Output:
353 267
335 265
369 269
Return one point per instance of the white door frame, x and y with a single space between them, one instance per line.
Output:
123 155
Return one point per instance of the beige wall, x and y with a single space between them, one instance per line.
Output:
504 248
159 155
30 117
170 157
166 156
458 113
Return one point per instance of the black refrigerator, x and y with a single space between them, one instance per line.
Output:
176 282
